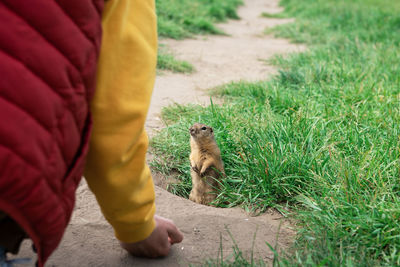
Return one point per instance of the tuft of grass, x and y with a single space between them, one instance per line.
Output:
323 135
350 217
166 61
236 258
328 22
182 18
273 15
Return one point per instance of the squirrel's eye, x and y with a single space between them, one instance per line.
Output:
204 128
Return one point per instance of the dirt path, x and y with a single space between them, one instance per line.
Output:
89 240
221 59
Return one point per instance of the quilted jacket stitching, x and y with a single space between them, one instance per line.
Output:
91 40
75 24
12 150
68 106
27 113
57 120
98 9
52 149
49 87
54 191
46 40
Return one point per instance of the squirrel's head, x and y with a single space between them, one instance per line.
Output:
200 131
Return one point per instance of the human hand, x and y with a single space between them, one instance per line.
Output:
158 244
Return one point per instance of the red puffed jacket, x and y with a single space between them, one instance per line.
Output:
48 58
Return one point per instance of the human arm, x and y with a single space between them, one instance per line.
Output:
116 170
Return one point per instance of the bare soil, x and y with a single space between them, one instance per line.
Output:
240 55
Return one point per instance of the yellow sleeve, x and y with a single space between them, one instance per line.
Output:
116 169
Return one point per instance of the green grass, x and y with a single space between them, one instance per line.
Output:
236 258
166 61
323 135
273 15
182 18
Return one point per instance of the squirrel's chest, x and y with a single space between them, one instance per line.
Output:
200 155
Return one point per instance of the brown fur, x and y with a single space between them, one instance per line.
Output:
206 163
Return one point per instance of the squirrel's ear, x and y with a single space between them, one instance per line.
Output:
211 129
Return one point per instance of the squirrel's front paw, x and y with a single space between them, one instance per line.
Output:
195 169
203 172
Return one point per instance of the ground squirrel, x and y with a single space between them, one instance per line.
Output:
206 164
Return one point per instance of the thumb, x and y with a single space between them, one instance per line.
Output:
174 235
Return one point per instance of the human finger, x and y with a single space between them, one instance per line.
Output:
174 235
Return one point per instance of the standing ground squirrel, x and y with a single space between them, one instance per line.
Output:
206 164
